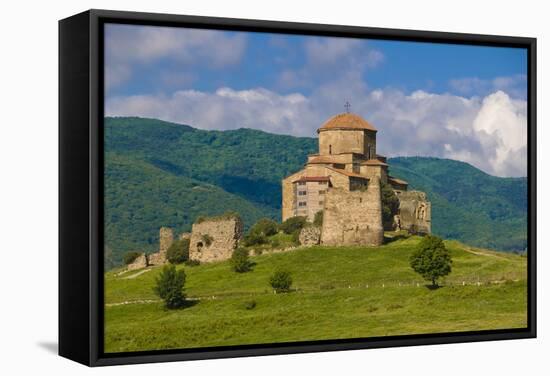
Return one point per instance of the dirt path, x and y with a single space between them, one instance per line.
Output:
137 274
487 254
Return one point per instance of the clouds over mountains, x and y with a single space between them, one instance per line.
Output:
482 122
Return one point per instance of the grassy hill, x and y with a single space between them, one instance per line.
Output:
160 173
341 292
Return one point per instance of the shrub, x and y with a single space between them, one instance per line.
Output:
296 237
207 239
178 252
254 239
281 281
250 304
130 257
264 226
275 243
169 287
390 205
240 261
192 262
431 259
293 224
318 219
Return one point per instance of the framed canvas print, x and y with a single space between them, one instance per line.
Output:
236 187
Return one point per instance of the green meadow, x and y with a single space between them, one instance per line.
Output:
338 292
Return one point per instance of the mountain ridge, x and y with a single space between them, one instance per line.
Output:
245 167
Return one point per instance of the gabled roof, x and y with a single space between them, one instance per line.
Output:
347 121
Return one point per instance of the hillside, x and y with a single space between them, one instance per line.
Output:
372 292
192 172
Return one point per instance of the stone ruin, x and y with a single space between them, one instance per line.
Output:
215 238
212 239
310 235
365 207
415 213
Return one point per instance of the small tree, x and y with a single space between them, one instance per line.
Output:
178 252
431 259
240 261
130 257
169 287
255 239
264 226
293 224
390 205
281 281
318 219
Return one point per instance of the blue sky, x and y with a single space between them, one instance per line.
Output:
462 102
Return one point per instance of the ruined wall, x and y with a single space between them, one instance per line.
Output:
214 239
139 263
353 218
310 235
166 238
415 212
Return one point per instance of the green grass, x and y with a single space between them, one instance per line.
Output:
340 292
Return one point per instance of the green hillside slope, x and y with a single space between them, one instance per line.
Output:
467 204
193 172
345 292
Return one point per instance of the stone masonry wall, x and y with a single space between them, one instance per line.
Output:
353 218
139 263
166 238
215 239
415 213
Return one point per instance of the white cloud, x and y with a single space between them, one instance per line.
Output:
489 132
126 45
515 86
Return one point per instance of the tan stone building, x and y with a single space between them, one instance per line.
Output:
347 173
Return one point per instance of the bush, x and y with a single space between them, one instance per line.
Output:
390 205
264 226
431 259
240 261
192 262
281 281
296 237
169 287
130 257
293 224
255 239
178 252
318 219
275 243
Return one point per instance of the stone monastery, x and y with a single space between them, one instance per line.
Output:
344 181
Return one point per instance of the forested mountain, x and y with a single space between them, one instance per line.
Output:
164 174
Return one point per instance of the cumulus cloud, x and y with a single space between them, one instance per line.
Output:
126 45
489 133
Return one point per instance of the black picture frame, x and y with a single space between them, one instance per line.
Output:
81 186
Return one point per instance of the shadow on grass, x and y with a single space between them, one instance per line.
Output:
189 302
392 238
433 287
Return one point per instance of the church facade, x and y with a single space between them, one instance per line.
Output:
344 181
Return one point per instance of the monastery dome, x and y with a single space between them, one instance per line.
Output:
347 120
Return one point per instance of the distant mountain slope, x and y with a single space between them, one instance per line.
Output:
468 204
160 173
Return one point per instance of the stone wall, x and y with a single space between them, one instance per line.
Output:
337 141
139 263
353 218
166 238
415 212
310 235
215 239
